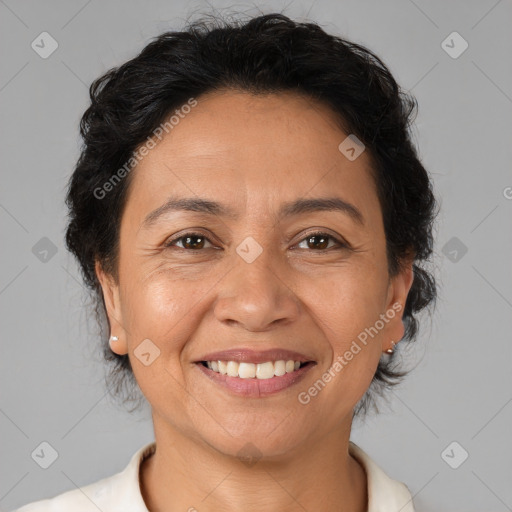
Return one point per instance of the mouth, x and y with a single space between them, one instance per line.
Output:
248 370
256 380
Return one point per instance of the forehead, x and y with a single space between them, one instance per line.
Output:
255 151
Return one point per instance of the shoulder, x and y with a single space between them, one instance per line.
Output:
384 493
120 492
88 498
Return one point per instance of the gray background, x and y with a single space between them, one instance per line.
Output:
460 390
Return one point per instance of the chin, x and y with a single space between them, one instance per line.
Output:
253 444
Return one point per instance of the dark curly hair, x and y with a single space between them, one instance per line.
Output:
265 54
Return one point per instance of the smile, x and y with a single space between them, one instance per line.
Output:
247 370
255 380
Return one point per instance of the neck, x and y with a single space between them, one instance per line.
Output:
184 474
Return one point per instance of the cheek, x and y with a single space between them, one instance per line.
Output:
349 313
351 303
164 309
158 309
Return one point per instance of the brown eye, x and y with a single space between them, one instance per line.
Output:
190 241
320 242
196 241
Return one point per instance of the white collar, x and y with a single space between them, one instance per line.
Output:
384 493
122 490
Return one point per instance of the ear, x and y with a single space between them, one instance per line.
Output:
398 291
112 301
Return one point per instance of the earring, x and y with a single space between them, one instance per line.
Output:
112 338
392 349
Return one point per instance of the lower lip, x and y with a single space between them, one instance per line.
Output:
256 387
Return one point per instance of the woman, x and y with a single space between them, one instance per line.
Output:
251 213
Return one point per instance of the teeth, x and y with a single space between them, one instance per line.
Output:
245 370
280 368
223 367
264 370
232 368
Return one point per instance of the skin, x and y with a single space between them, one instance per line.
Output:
252 153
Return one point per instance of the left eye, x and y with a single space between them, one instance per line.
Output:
322 241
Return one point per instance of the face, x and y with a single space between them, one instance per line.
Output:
254 277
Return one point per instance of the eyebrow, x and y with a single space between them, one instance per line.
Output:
289 209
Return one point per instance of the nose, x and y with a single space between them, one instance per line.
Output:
256 296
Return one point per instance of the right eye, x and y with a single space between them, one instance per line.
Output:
191 241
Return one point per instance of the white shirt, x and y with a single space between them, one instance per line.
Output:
121 492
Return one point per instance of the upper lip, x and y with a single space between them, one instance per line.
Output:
255 356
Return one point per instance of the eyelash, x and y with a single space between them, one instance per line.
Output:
341 245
